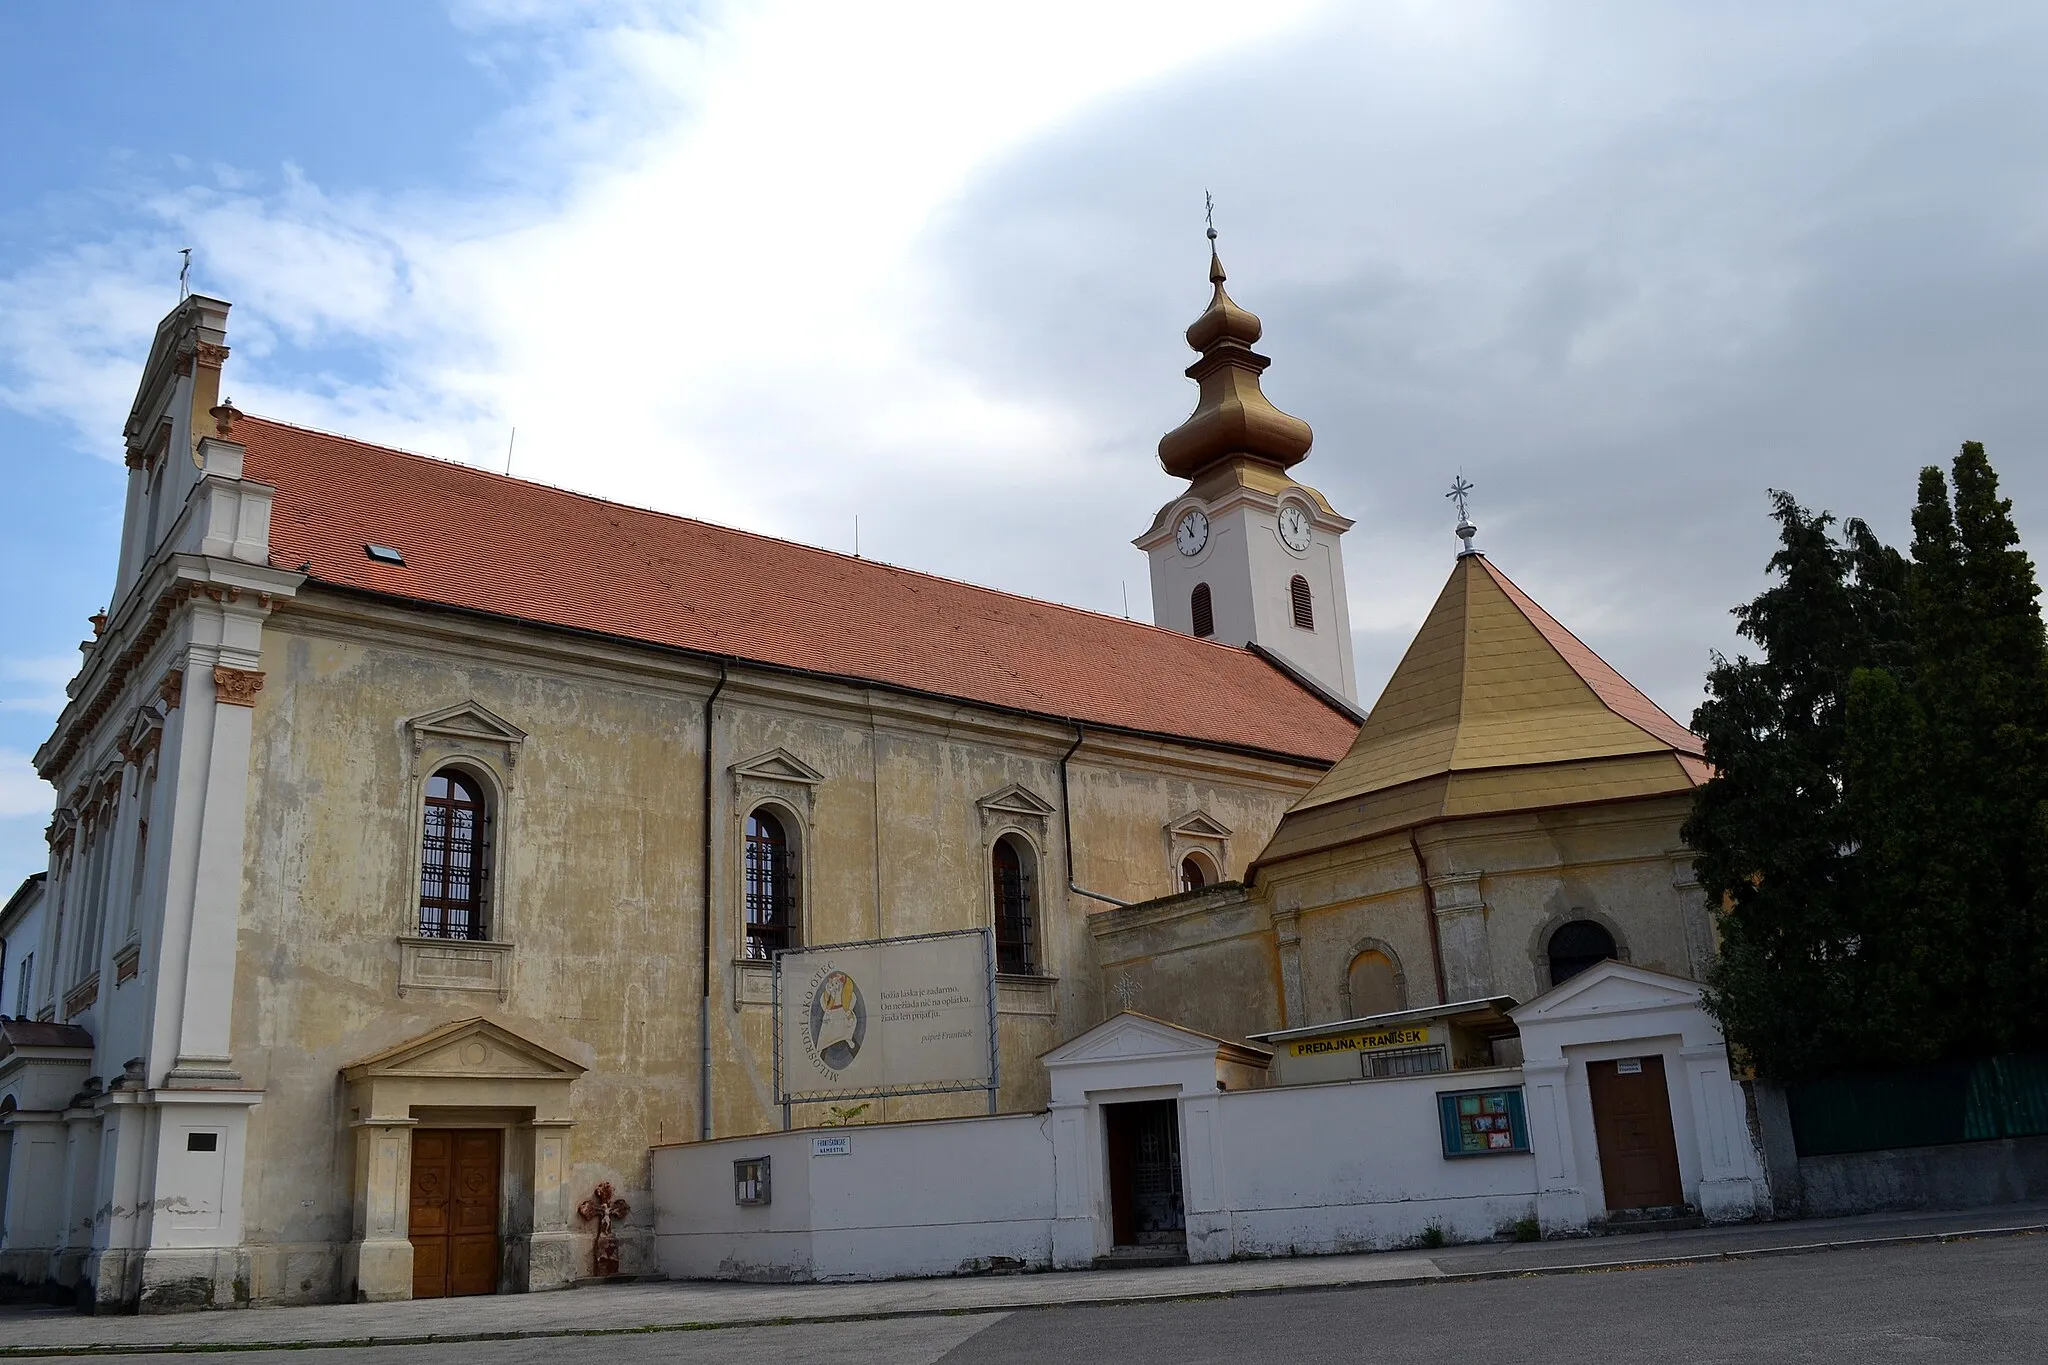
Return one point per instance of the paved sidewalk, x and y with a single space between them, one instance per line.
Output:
689 1304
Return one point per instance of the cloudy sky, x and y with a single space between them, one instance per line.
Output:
780 265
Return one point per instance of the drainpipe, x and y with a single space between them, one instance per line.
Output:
1436 942
1067 825
704 998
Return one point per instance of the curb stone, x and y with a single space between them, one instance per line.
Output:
1123 1300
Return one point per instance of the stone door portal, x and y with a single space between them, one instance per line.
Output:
1632 1124
455 1200
1144 1174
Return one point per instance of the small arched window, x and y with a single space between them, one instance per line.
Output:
1016 897
1193 876
1575 946
771 887
1199 608
1304 602
1375 984
455 859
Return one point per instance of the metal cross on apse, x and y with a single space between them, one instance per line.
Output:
1460 491
1126 991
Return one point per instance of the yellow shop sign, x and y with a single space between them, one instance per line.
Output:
1412 1035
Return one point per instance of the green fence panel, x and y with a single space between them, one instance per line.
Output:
2024 1080
1870 1111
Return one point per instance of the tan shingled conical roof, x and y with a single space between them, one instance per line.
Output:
1494 708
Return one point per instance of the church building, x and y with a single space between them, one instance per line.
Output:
425 836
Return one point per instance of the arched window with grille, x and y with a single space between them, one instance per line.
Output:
1304 602
1012 866
1203 614
771 890
1577 945
455 858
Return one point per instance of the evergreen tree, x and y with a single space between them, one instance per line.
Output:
1877 830
1980 678
1770 830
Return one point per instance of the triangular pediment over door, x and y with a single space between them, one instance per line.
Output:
467 1063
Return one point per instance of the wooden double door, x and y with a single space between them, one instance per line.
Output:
1632 1124
455 1211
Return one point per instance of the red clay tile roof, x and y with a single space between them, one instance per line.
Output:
484 542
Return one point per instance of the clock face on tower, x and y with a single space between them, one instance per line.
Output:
1295 530
1192 533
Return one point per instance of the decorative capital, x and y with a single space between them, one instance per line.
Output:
236 686
172 689
210 355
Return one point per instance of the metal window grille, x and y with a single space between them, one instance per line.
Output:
770 888
1013 911
1200 608
750 1181
455 860
1304 602
1408 1061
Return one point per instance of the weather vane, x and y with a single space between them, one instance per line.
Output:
1209 213
1461 491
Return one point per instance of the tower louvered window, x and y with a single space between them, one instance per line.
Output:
455 859
1304 602
1199 608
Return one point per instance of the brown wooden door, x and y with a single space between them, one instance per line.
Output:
454 1212
1632 1123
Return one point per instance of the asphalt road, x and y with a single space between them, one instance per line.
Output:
1981 1302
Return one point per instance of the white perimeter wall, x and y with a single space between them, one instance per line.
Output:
937 1198
1297 1170
1353 1166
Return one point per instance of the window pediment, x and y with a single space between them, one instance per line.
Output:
1198 824
777 765
1015 801
466 724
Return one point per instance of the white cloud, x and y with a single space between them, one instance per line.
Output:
36 685
22 793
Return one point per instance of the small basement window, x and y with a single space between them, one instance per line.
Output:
384 554
750 1180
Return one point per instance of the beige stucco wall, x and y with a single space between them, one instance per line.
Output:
598 884
1279 952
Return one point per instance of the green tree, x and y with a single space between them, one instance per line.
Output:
1980 680
1877 830
1773 838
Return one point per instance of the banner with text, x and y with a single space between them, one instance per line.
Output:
890 1015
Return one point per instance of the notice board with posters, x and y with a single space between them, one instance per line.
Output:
1483 1122
892 1016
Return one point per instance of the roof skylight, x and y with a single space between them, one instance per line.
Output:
384 554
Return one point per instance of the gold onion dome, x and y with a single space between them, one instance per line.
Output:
1233 418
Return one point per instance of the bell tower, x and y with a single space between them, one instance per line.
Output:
1246 555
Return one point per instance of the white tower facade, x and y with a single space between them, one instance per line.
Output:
1269 557
1248 556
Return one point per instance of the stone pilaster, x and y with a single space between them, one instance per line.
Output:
1461 932
378 1261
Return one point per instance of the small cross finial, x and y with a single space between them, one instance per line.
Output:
1209 213
1461 491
